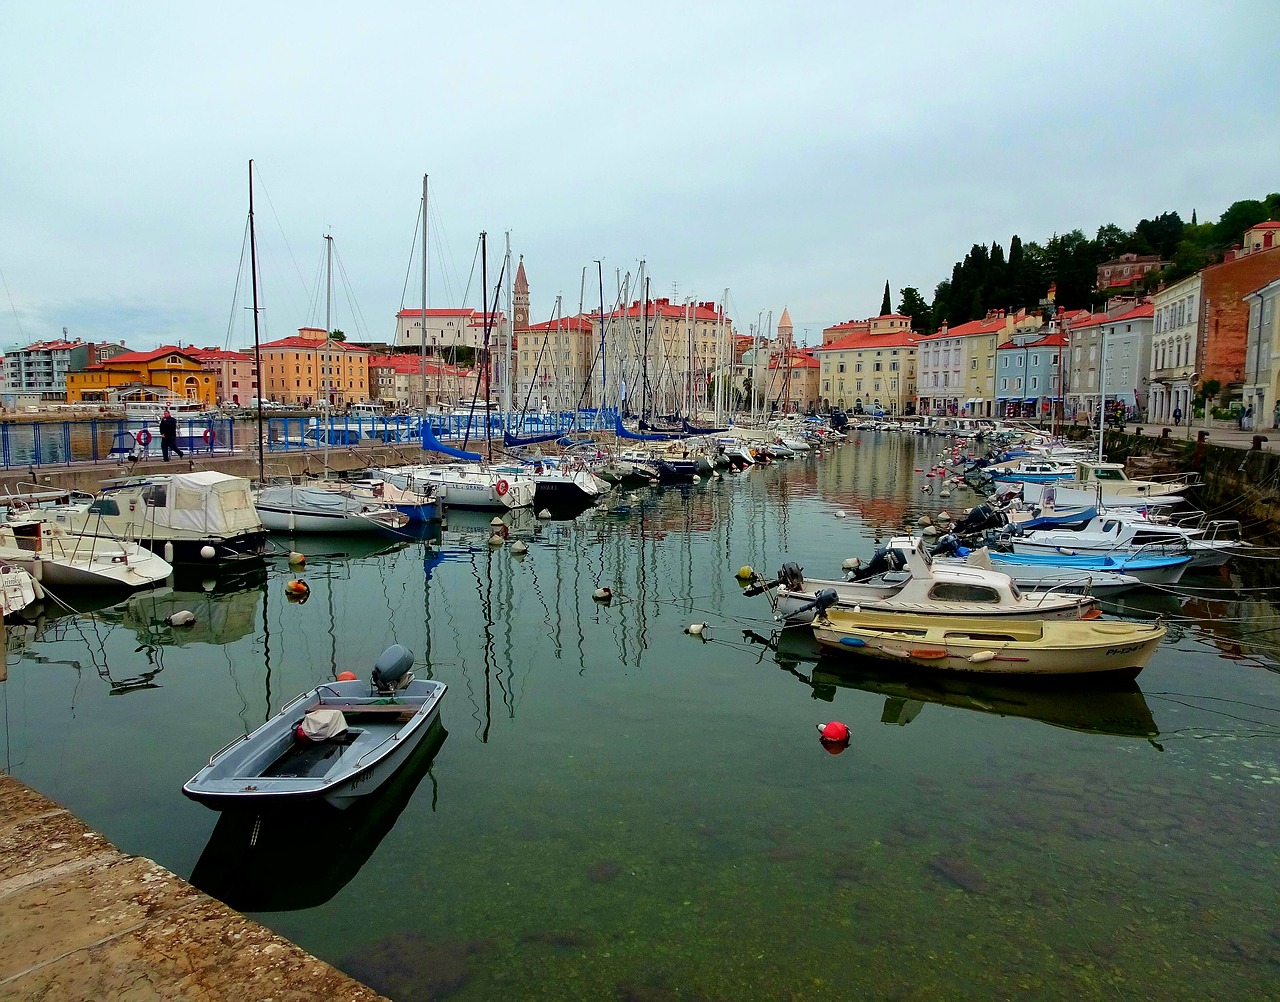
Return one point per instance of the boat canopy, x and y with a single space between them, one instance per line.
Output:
204 501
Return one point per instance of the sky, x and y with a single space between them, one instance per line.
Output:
794 154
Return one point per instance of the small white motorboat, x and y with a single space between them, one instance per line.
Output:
18 589
60 559
903 577
337 743
322 507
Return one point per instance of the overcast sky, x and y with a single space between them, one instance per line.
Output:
797 154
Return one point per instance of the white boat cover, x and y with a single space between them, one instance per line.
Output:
210 502
322 724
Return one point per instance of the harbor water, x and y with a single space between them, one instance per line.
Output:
614 808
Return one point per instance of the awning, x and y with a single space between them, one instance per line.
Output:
1030 400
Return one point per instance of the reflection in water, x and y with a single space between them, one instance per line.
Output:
1093 706
301 857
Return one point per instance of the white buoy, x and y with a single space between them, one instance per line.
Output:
653 483
519 547
842 514
208 552
496 521
296 559
944 493
695 629
924 520
697 479
184 617
602 594
544 514
944 516
928 530
496 540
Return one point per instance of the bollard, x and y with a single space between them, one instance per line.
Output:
1257 442
1137 432
1201 436
1164 432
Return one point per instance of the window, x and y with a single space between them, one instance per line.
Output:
840 367
957 591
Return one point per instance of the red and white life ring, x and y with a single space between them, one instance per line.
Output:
143 438
501 488
209 436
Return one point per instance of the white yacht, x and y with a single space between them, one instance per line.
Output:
465 485
60 559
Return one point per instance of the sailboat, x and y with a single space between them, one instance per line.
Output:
315 505
470 482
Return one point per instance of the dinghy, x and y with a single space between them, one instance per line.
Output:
337 743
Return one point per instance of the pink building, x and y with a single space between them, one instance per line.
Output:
235 374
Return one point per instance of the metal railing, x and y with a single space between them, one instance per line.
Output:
32 444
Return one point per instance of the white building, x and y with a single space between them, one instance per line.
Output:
1262 357
1173 373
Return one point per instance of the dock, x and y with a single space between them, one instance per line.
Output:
79 919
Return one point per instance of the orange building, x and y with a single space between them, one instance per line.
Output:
167 369
310 367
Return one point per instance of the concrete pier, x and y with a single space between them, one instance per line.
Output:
81 920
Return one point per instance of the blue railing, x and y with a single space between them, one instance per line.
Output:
64 443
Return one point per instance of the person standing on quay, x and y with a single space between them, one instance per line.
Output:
169 435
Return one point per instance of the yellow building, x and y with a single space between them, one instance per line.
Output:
309 367
869 365
169 370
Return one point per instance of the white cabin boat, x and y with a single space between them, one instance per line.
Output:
905 578
60 559
1107 484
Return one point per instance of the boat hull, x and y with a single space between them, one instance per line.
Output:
1001 648
245 773
795 608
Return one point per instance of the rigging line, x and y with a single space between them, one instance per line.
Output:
408 268
357 314
262 186
235 295
12 305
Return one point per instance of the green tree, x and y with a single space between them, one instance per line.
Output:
886 307
1163 234
1229 229
337 336
912 304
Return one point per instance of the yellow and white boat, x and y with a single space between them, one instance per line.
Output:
1005 647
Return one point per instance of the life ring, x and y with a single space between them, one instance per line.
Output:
209 436
143 438
501 488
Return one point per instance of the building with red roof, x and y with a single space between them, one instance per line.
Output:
235 373
412 381
1126 272
1109 354
869 365
168 370
39 371
308 367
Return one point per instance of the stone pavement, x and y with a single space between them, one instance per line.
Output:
81 920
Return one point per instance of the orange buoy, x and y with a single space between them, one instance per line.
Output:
347 676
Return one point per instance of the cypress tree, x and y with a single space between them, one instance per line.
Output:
886 307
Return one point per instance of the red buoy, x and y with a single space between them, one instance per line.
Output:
833 736
347 676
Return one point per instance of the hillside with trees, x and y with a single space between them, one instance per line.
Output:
992 278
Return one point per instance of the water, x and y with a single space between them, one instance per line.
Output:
614 808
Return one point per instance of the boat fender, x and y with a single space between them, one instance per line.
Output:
980 657
745 572
347 676
853 642
603 594
208 552
168 552
296 559
850 564
184 617
392 666
544 514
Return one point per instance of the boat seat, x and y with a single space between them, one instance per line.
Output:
310 761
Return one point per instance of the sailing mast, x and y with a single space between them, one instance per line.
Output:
423 352
328 346
508 376
257 346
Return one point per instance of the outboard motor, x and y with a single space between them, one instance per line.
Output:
984 516
791 576
881 561
950 546
822 601
391 670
